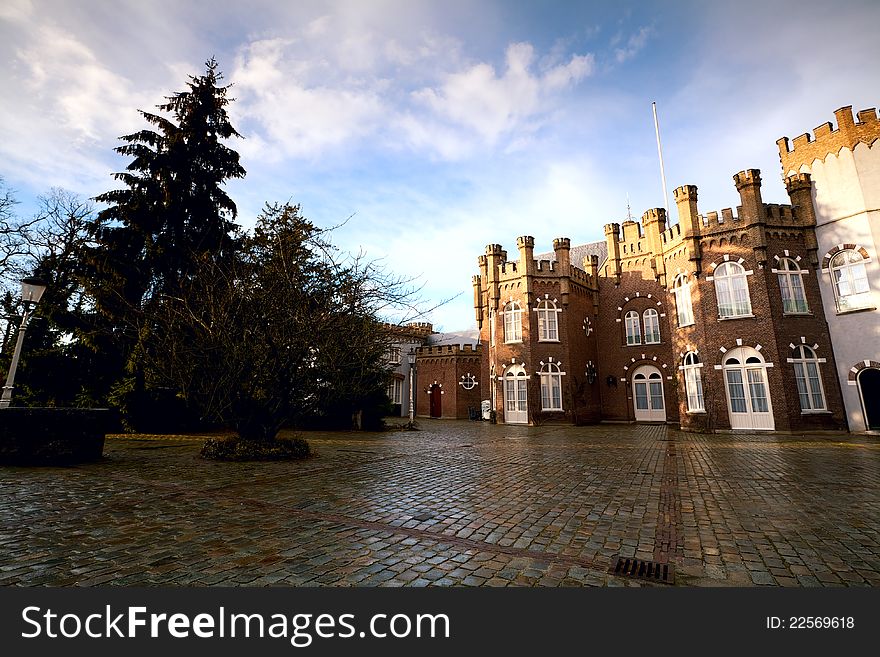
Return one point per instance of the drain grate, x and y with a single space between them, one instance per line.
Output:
663 573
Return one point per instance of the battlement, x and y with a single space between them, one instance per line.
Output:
525 241
671 234
448 350
561 243
825 140
545 265
712 219
418 330
747 177
496 250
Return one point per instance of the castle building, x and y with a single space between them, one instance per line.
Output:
760 318
844 166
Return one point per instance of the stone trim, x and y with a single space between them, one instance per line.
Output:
852 378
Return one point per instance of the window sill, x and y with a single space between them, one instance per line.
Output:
724 319
552 410
696 412
681 326
850 311
806 314
822 412
513 342
548 340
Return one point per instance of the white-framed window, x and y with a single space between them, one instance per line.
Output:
732 288
633 328
849 278
683 305
512 322
551 387
548 327
791 285
693 381
395 391
652 326
806 375
392 355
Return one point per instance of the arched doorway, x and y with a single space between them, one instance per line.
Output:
869 389
748 398
648 400
436 394
516 396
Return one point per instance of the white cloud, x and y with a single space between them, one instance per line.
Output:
492 105
633 45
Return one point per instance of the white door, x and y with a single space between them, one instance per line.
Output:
516 400
648 395
748 400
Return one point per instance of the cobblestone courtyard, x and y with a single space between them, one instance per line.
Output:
457 503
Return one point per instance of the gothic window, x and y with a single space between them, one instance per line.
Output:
791 285
732 288
633 328
693 382
512 322
683 306
809 383
548 328
551 387
849 278
652 326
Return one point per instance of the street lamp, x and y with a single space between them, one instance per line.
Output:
411 359
31 292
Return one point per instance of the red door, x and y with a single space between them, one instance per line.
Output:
436 400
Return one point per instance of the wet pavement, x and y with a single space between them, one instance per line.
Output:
457 503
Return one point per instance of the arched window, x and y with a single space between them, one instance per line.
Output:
809 383
683 306
745 374
512 322
850 280
732 288
652 326
548 328
551 387
633 328
791 285
693 381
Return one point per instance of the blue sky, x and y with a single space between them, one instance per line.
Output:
440 126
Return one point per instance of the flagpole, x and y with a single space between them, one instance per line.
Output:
660 154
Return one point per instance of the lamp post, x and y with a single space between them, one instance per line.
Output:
411 359
31 291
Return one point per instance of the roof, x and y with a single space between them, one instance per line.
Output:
578 253
471 336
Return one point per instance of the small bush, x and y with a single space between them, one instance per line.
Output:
236 449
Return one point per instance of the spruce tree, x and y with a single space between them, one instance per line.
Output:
170 213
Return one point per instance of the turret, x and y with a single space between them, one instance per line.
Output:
562 249
612 239
526 246
690 221
495 257
654 222
800 191
688 216
748 184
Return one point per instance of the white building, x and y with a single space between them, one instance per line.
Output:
844 164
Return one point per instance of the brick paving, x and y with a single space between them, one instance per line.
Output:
456 504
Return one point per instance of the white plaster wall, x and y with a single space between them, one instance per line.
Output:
846 196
